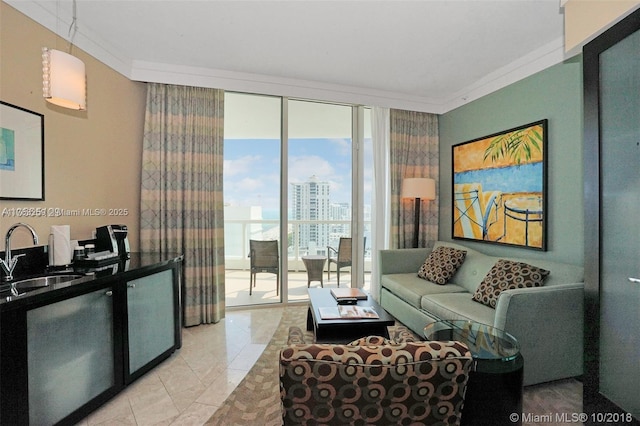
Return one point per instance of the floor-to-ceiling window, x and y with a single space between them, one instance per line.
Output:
297 172
252 144
320 186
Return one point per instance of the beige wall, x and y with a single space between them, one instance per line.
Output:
92 158
586 19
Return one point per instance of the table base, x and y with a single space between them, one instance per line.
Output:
494 398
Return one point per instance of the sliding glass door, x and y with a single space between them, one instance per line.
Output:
294 173
320 190
252 152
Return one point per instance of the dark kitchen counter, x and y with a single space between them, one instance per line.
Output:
138 264
97 333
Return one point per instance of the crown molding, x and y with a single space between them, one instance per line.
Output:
45 14
534 62
542 58
278 86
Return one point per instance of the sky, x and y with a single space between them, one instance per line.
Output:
252 169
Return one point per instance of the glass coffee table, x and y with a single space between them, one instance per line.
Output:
494 390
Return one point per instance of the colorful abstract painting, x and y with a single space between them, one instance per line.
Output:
499 186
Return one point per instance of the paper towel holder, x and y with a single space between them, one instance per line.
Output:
66 258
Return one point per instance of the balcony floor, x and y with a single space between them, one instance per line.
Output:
237 286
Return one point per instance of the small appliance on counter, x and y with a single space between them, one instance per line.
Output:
113 238
59 246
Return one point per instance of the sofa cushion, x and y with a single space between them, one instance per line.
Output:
476 265
410 288
473 269
507 274
441 264
458 306
561 273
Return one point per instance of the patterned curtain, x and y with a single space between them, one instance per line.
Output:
413 153
181 208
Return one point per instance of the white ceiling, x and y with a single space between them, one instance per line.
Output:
424 55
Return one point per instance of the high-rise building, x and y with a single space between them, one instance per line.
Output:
340 213
310 202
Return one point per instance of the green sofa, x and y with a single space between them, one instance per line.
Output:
547 320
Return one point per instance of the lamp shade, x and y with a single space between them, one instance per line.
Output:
423 188
63 79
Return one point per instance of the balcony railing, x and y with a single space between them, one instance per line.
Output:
304 237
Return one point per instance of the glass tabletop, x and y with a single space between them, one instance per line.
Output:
484 342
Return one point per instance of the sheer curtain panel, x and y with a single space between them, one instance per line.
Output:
413 153
181 207
380 197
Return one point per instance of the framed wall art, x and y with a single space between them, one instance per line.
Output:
499 187
21 153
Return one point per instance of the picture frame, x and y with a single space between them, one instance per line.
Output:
499 188
21 153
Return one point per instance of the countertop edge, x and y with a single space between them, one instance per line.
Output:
137 264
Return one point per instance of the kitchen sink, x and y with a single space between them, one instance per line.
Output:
23 286
39 282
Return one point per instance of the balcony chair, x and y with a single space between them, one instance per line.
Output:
373 381
341 257
264 257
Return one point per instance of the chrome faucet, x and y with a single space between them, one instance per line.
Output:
9 263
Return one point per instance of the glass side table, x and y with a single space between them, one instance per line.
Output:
494 390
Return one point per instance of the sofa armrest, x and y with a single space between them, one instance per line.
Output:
398 261
517 307
548 323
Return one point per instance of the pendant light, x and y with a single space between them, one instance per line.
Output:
63 79
63 75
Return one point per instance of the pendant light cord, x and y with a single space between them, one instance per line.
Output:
73 28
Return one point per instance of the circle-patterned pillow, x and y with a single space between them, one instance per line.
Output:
441 264
507 274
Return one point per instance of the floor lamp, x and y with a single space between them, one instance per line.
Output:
420 189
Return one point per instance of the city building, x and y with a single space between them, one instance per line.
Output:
310 201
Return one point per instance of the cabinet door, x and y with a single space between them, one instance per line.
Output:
620 261
70 351
151 318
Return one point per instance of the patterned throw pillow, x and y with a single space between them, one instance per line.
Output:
504 275
441 264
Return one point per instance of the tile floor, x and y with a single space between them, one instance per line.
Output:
187 388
